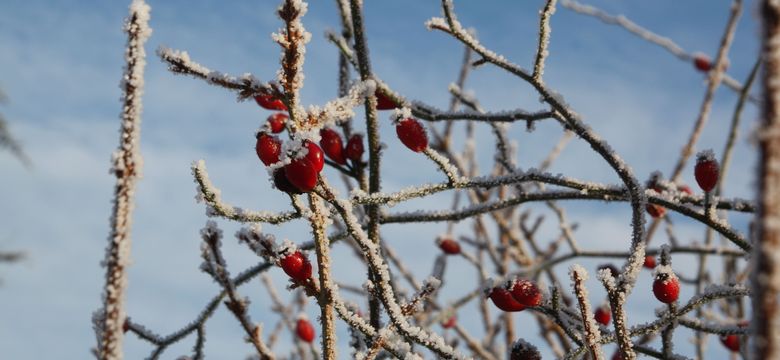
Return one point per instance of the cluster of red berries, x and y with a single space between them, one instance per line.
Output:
300 175
516 295
333 146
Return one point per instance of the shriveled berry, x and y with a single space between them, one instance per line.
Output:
613 270
603 315
315 155
503 300
649 262
654 210
269 102
281 182
666 287
450 322
276 122
268 148
354 149
331 144
296 266
383 102
301 174
449 246
526 293
304 330
412 134
706 171
731 342
522 350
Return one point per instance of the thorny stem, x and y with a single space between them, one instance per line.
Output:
110 319
766 313
322 246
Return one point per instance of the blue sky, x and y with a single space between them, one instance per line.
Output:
60 64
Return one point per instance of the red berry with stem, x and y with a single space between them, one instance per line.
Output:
649 262
314 155
450 322
383 102
503 300
702 62
354 149
301 174
304 330
276 122
331 144
412 134
603 315
706 171
269 102
296 266
526 293
268 148
281 182
666 287
731 342
449 246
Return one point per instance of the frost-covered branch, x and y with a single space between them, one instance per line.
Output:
127 163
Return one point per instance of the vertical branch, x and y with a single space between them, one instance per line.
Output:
766 286
544 39
322 247
715 77
592 333
127 169
293 39
372 130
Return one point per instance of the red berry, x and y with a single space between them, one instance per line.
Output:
612 269
617 355
666 288
522 350
649 262
301 174
276 122
315 155
270 103
331 144
654 210
304 330
702 62
731 342
449 323
706 172
686 189
354 148
526 293
281 182
297 266
268 148
603 315
449 246
503 300
412 134
383 102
